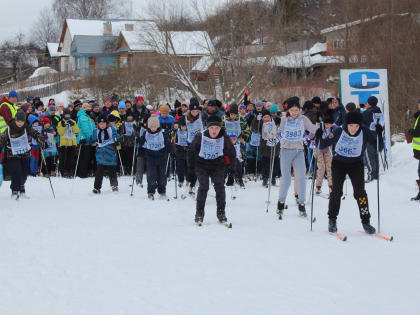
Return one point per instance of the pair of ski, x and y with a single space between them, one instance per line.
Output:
224 223
378 235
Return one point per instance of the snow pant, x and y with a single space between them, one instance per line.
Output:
289 157
99 176
217 176
51 165
191 178
67 156
324 165
127 158
372 160
265 167
181 165
156 177
141 165
356 173
19 168
238 170
85 162
34 161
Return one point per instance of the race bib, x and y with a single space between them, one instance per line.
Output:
19 145
233 128
194 128
294 130
52 146
237 146
154 141
182 138
104 142
211 148
268 128
68 133
255 139
129 128
348 146
377 117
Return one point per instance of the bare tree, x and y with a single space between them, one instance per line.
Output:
45 29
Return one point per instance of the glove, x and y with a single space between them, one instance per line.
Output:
271 135
42 144
71 123
82 142
318 133
63 123
379 129
411 132
259 117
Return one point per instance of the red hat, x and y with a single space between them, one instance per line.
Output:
45 121
139 98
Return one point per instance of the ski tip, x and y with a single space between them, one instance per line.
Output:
229 225
344 238
280 217
314 220
391 238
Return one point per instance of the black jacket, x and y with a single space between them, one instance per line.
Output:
16 132
194 161
141 115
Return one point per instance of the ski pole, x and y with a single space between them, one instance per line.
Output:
272 152
175 181
77 162
119 156
313 179
256 158
377 186
132 166
46 168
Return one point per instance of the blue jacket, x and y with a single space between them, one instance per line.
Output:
106 155
86 126
166 123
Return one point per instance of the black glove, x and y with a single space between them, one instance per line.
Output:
82 142
71 122
319 133
63 123
379 129
411 132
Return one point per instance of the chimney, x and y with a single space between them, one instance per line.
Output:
107 28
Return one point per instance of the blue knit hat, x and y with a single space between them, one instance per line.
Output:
274 109
13 93
32 119
121 105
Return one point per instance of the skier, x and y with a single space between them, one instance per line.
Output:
206 160
128 134
154 146
34 123
67 130
181 145
350 143
15 137
106 138
292 130
49 135
415 133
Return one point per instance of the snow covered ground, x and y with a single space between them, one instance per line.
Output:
116 254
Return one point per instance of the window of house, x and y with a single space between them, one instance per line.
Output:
339 44
92 63
123 62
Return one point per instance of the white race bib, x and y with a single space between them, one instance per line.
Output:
19 145
182 138
211 148
233 128
104 142
52 146
348 146
194 128
294 130
377 117
255 139
129 128
154 141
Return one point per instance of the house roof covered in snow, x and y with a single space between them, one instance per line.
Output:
203 64
83 44
53 50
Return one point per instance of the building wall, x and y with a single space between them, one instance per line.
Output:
67 63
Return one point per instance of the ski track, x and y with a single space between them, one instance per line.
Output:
116 254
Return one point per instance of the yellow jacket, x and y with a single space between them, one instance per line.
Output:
68 134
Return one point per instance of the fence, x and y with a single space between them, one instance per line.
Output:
47 91
43 79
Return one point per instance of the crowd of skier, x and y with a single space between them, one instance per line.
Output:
195 143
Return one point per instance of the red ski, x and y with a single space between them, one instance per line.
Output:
386 238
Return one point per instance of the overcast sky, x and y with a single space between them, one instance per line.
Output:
19 15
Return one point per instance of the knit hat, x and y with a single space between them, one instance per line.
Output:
233 109
242 106
13 93
45 121
25 107
66 111
139 98
177 104
274 108
164 109
121 105
316 100
212 103
354 118
107 99
153 122
77 103
149 107
20 116
372 101
351 107
218 103
128 102
308 105
52 107
114 98
292 102
259 104
328 117
95 105
102 118
214 120
32 120
265 112
86 107
29 98
194 104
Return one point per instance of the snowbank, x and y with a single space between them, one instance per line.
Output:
61 97
114 254
42 71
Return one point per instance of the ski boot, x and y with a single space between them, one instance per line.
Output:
199 215
114 189
151 196
369 229
280 209
221 216
273 181
241 183
22 192
417 198
163 196
265 182
96 191
15 195
318 190
332 226
191 191
180 184
229 181
302 210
